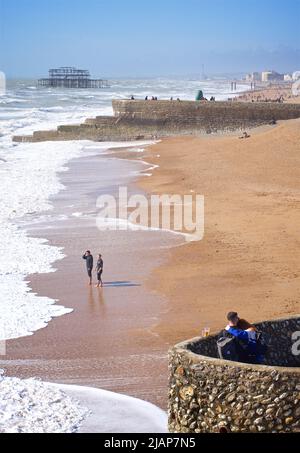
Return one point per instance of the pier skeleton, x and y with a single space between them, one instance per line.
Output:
69 77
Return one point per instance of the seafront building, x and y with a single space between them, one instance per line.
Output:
267 76
270 76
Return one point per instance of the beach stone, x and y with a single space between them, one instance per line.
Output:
271 410
289 420
231 397
258 397
258 421
297 412
186 393
180 371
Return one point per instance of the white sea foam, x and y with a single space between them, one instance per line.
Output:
27 179
115 224
32 406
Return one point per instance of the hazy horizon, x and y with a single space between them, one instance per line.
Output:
158 39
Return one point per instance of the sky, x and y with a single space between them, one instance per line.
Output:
140 38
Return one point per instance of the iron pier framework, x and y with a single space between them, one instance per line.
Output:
68 77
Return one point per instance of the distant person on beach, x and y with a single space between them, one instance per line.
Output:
245 135
240 341
88 257
146 98
99 271
132 98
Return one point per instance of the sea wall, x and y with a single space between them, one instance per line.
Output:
208 116
207 394
134 120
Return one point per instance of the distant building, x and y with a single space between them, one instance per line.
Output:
69 77
253 77
271 76
288 78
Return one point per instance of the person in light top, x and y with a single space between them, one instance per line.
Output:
99 271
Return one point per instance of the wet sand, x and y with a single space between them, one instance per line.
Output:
107 342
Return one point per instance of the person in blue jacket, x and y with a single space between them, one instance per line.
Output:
247 340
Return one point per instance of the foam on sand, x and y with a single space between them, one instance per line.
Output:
32 406
115 413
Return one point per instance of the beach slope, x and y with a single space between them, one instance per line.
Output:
249 258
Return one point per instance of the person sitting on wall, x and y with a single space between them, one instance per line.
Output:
240 341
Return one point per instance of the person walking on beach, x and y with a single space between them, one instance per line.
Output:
88 257
99 270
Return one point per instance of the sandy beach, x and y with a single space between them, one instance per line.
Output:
270 93
248 260
159 290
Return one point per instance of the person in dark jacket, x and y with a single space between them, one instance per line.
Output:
88 257
246 340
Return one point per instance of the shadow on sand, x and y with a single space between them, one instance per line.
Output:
118 284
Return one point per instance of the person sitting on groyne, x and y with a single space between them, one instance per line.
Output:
240 341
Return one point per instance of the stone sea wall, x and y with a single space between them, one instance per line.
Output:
134 120
207 394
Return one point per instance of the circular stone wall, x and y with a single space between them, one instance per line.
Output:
207 394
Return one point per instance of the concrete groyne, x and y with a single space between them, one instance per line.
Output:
139 120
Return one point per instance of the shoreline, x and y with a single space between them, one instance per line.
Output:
189 287
72 349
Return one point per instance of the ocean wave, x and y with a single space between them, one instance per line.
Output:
28 179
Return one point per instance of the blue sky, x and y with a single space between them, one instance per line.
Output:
148 38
